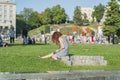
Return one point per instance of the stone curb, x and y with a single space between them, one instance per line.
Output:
64 75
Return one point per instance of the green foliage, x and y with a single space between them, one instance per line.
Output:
37 31
99 12
55 15
59 15
26 13
33 20
77 18
20 24
47 29
109 30
116 40
47 16
113 13
112 18
118 32
23 20
85 20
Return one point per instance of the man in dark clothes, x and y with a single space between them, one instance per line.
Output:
24 35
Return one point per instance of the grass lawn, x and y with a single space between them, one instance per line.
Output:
23 58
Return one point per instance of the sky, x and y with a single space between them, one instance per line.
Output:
68 5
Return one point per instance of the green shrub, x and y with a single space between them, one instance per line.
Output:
116 40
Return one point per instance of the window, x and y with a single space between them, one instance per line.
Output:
11 7
5 16
5 7
5 21
11 21
11 11
10 16
5 11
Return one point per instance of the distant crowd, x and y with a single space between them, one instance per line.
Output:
72 39
85 39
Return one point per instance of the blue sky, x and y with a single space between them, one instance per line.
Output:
68 5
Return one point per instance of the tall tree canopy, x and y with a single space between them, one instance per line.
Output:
85 20
112 20
20 24
59 15
77 18
99 12
47 16
113 13
34 20
26 13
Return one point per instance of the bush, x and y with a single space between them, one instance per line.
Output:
116 40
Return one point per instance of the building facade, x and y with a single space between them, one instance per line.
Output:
88 11
7 16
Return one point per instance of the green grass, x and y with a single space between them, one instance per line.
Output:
23 58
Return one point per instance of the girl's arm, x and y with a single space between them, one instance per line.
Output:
61 45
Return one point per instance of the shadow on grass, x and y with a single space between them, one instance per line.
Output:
70 55
20 44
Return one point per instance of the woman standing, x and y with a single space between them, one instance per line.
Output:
63 46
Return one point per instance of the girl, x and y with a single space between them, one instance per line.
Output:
63 46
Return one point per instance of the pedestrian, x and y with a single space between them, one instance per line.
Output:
12 35
24 35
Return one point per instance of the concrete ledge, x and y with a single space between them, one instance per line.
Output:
84 60
64 75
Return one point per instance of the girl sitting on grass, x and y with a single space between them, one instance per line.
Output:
63 46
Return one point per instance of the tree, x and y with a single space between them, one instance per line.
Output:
93 17
34 20
85 20
77 18
20 24
113 13
99 12
112 17
26 13
47 16
112 20
59 15
63 15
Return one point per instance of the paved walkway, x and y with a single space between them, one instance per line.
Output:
63 75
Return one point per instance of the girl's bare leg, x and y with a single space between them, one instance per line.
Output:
47 56
54 57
